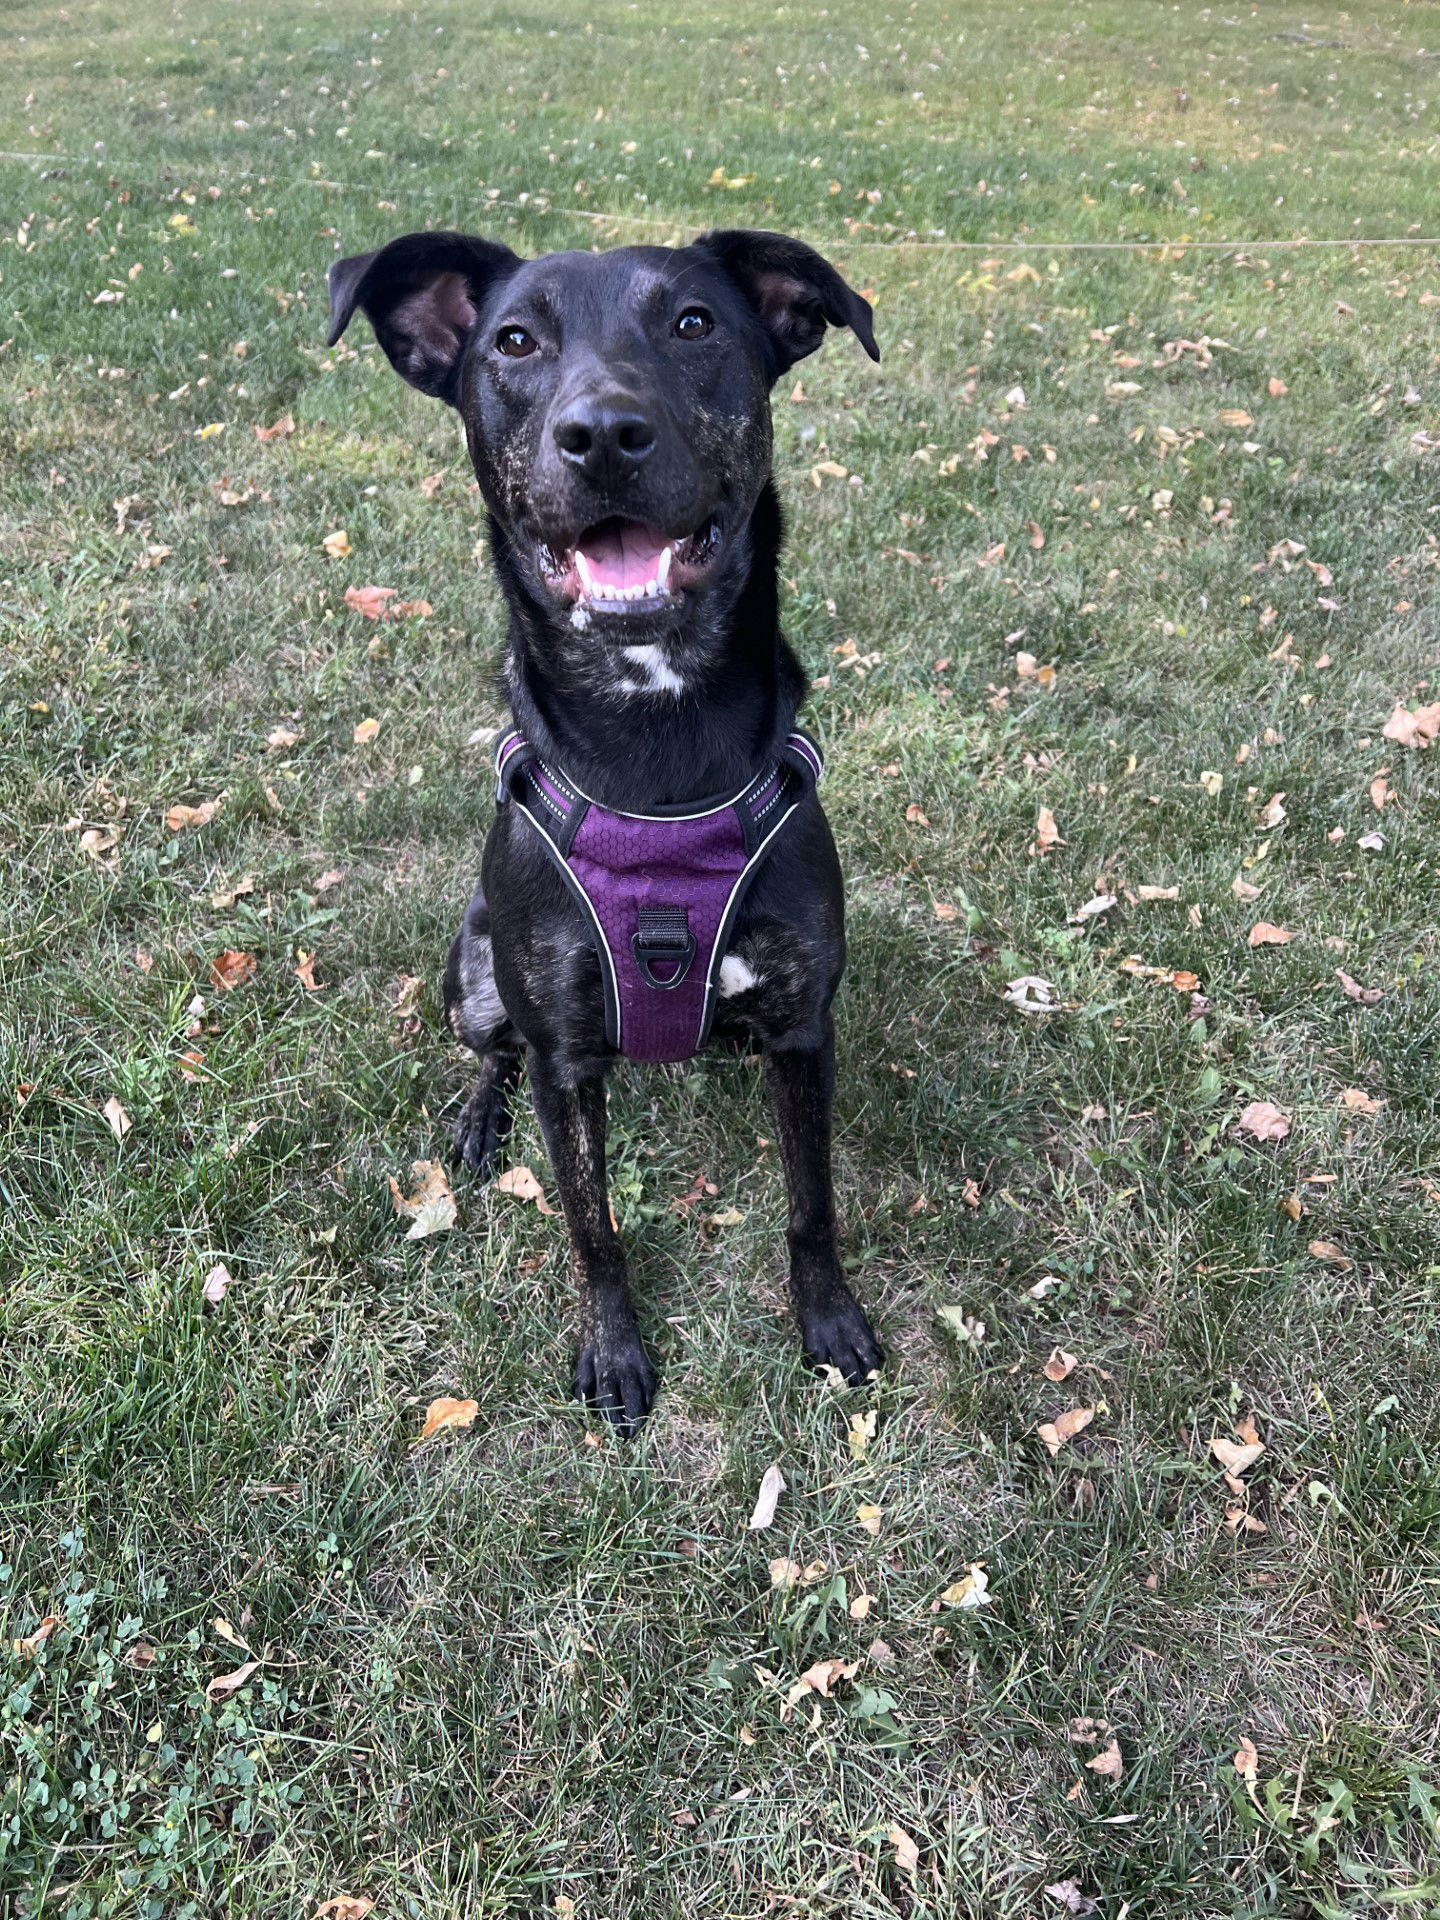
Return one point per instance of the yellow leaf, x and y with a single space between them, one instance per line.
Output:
447 1412
336 544
431 1207
907 1851
182 816
365 732
1235 417
971 1591
861 1433
345 1906
223 1630
870 1517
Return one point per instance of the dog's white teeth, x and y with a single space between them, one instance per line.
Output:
662 572
582 567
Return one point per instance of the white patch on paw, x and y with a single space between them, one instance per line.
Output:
660 676
736 976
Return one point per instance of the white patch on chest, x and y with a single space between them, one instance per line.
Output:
736 976
660 676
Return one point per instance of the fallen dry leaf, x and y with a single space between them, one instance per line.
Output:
972 1590
1247 1759
283 426
1097 904
1234 1457
370 600
1060 1365
232 969
1265 934
31 1644
365 732
119 1120
907 1851
1332 1255
447 1412
224 1684
1235 417
1276 387
916 815
431 1208
330 878
520 1183
870 1518
772 1485
431 484
1243 889
1415 729
181 816
223 1630
1358 1101
345 1906
1239 1521
1157 893
1109 1762
786 1574
823 1676
1273 811
336 544
1263 1121
861 1432
1064 1427
1379 792
216 1283
1031 994
1047 834
1367 996
1036 533
1068 1893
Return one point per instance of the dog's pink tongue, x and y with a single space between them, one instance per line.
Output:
623 556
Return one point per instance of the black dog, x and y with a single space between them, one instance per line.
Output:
617 411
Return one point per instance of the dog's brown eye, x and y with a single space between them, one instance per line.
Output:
516 343
694 323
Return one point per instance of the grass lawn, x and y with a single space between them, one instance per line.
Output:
1142 543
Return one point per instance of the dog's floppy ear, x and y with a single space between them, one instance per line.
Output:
421 295
793 289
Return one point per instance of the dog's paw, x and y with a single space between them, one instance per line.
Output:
837 1334
483 1127
616 1378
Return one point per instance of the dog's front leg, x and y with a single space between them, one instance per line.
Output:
613 1372
833 1329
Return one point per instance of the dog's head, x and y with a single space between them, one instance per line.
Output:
616 404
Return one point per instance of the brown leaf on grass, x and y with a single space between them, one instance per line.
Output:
1379 792
336 544
1367 996
1235 417
182 816
1234 1457
1273 812
224 1684
370 601
1036 533
1247 1759
1263 1121
144 960
944 911
1276 387
520 1183
431 1207
1060 1365
1358 1101
447 1412
1417 729
1157 893
140 1655
279 738
1332 1255
216 1283
1047 834
1265 933
223 1630
907 1850
411 610
916 815
284 426
30 1645
232 969
331 877
823 1676
118 1119
365 731
1239 1521
1064 1427
432 483
1109 1762
304 970
786 1574
345 1906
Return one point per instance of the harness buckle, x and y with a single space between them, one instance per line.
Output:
664 936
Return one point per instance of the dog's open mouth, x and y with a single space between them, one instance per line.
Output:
628 566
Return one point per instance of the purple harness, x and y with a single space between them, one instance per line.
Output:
660 890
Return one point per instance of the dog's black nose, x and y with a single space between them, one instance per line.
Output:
603 438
